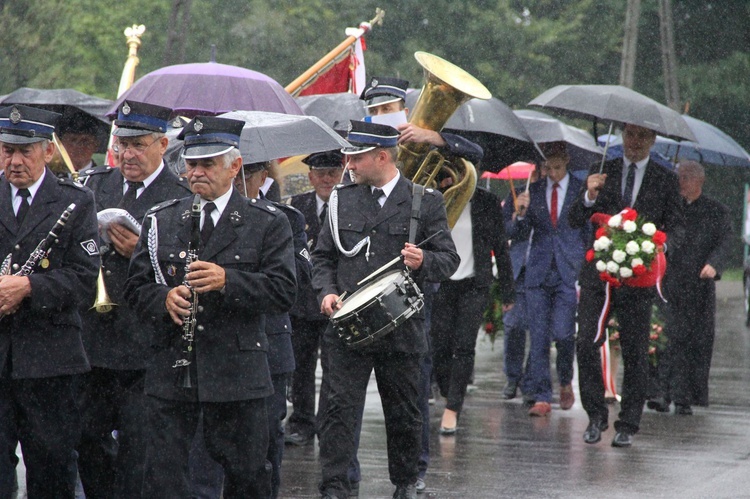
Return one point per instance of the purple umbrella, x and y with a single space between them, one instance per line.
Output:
210 88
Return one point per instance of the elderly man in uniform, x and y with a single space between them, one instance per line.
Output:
40 331
244 269
371 225
637 182
117 342
308 323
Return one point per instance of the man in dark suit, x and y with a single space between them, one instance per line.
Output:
308 323
461 300
245 269
555 257
369 228
40 331
117 342
653 191
691 296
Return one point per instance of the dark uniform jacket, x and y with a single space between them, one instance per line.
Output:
388 229
44 335
279 326
253 243
658 202
119 339
307 306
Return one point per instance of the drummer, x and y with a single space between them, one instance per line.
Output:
370 226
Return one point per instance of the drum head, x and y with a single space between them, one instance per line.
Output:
366 293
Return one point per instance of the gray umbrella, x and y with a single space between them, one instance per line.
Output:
67 102
268 136
336 110
582 147
491 124
712 146
614 104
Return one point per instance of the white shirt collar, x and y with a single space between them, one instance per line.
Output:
319 204
146 182
32 188
562 183
220 202
639 164
388 188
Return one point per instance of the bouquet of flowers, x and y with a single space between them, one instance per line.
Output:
657 339
625 248
493 315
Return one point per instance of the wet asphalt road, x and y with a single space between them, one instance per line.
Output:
499 451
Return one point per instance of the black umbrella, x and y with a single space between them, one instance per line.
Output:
72 104
335 110
614 104
491 124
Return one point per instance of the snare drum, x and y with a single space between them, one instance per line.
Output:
377 309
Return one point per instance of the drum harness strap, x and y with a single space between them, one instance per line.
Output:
333 219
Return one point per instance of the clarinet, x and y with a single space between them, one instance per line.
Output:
42 249
189 322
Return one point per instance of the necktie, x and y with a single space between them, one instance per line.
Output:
208 222
376 195
627 195
323 214
129 196
553 205
25 195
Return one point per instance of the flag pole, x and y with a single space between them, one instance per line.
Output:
298 84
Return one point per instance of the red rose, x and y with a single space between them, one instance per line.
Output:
629 214
639 270
590 255
600 218
659 238
604 276
488 328
601 232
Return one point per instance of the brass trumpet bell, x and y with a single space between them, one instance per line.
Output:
103 303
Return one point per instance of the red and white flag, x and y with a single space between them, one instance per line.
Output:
346 73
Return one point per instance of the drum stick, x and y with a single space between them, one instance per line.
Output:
336 303
395 260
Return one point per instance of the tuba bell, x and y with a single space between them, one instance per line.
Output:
445 89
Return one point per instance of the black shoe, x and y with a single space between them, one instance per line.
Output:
683 410
659 404
593 432
298 439
528 401
622 439
509 392
405 492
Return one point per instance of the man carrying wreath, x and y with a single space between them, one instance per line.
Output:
637 182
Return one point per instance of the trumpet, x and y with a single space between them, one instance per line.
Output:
189 322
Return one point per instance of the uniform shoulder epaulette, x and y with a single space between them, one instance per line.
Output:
287 208
69 182
162 205
96 170
265 205
343 186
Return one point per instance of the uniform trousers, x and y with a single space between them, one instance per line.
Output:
306 339
456 317
397 376
112 400
235 435
42 415
633 309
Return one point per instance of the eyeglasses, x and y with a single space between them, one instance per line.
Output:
327 172
136 148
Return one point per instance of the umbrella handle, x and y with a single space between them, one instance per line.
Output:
606 146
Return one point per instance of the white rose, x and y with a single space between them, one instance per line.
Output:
649 229
647 247
602 244
619 256
615 221
632 248
625 272
636 262
612 267
601 265
629 226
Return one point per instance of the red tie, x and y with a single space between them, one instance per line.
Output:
553 205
